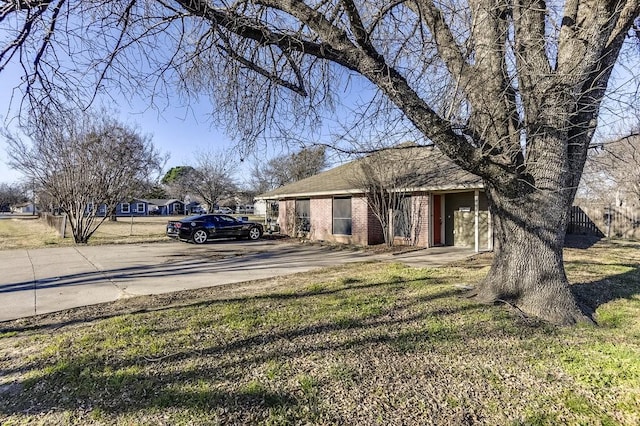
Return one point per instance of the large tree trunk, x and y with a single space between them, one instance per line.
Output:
527 268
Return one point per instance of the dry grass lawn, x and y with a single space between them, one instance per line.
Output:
132 230
361 344
26 232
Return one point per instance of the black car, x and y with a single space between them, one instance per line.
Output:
204 227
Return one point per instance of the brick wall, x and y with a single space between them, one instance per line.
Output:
359 221
322 221
286 210
420 219
375 232
365 227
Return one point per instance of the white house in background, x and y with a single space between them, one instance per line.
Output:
25 208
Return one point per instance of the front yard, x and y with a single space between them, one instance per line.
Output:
28 233
362 344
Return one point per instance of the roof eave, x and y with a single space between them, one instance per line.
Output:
437 188
309 194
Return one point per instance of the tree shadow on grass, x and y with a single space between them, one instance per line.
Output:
582 242
87 388
219 376
594 294
184 299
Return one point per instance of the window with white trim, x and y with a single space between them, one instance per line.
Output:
140 207
125 208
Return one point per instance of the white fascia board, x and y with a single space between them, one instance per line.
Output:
312 194
441 188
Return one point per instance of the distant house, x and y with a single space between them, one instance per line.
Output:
165 207
441 205
133 207
194 207
25 208
143 207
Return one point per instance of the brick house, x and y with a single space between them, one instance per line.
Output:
437 203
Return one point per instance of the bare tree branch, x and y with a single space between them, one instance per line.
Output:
86 164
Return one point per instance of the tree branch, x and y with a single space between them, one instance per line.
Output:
47 37
534 69
253 66
358 29
24 33
448 48
11 6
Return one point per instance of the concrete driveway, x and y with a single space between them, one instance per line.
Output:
53 279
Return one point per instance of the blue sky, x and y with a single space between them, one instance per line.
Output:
179 131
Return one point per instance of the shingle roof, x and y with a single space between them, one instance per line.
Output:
416 168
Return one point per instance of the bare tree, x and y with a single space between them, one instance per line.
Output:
612 173
385 176
11 194
83 162
289 168
511 91
212 177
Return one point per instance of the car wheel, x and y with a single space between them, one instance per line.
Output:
254 233
200 236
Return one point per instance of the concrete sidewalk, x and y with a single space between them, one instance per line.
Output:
47 280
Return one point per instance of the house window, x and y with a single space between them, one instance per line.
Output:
125 207
177 208
303 215
140 207
342 215
402 218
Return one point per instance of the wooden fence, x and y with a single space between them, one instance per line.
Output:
605 221
59 223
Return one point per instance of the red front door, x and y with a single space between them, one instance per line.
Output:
437 220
